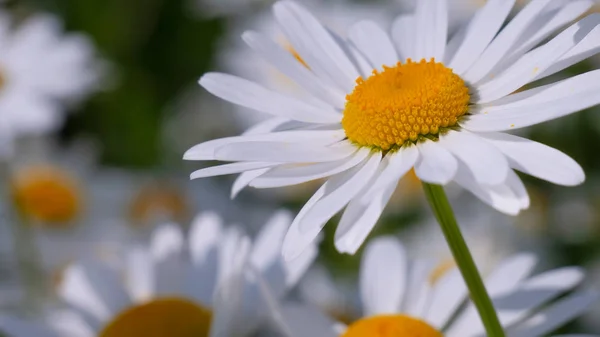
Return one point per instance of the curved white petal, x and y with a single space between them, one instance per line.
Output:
374 43
315 45
396 166
448 294
295 174
431 29
487 164
403 36
244 180
537 159
383 276
230 169
480 31
285 62
283 152
435 164
254 96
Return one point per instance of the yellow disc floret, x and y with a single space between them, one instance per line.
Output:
46 194
404 102
391 326
172 317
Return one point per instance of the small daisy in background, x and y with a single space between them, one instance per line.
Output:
211 284
384 104
404 297
43 72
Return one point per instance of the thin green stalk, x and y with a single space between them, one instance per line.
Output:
445 216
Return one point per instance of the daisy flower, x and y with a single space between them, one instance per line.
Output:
383 104
207 286
407 298
41 71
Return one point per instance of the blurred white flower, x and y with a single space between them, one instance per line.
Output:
210 284
42 71
402 297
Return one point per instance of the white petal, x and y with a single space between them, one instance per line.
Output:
418 291
528 67
340 189
204 235
396 166
166 249
383 276
306 321
449 293
537 159
139 276
539 105
435 164
284 152
315 45
206 150
505 40
287 175
229 169
296 241
68 324
244 180
487 164
285 62
481 30
557 315
266 126
431 29
501 197
403 36
254 96
374 43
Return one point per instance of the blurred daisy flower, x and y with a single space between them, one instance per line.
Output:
210 285
402 297
42 71
383 104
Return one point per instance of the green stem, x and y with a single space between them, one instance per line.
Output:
445 216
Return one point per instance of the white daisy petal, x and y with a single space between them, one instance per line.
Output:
556 315
315 45
166 249
374 43
360 217
383 276
244 180
283 152
254 96
430 29
435 164
229 169
537 159
506 39
448 294
305 321
266 126
402 34
287 175
481 30
557 15
296 241
487 164
340 190
139 279
68 324
539 105
285 62
396 166
528 67
418 291
501 197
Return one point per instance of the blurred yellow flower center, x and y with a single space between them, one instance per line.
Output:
391 326
404 102
172 317
158 202
46 194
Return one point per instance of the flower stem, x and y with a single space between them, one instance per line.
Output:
445 216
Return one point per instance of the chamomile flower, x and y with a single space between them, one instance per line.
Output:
207 286
383 104
41 71
407 298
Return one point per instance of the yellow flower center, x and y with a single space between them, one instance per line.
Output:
173 317
46 194
391 326
403 103
158 202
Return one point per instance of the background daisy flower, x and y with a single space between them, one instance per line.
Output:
207 283
386 103
407 297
